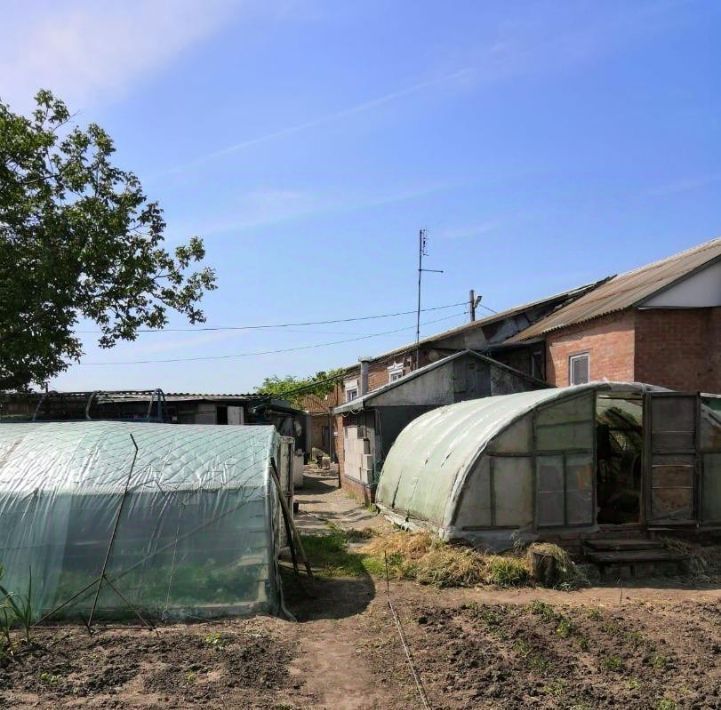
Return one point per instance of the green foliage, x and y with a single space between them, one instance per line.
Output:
215 640
79 239
659 662
20 609
50 679
595 614
329 553
316 386
612 663
565 628
544 610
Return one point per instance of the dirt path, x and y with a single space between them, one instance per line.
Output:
322 504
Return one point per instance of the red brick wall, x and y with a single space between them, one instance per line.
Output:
609 341
679 348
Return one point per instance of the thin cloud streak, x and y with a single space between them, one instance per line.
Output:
683 185
292 206
321 121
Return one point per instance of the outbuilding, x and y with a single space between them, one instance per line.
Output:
557 463
370 423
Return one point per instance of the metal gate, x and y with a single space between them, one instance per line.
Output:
671 429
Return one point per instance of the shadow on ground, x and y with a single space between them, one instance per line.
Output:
327 597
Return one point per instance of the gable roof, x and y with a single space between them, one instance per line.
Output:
359 403
554 301
626 290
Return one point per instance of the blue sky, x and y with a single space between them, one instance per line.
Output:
542 144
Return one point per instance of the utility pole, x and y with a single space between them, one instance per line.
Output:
422 246
473 302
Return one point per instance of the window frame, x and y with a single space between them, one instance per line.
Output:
573 358
395 372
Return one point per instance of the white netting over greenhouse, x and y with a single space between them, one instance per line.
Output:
187 527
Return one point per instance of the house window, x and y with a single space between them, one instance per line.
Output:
579 369
351 389
395 371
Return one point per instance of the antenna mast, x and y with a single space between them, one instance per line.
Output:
422 251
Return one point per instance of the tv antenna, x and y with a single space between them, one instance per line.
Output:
422 251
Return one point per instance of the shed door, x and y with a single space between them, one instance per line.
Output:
671 464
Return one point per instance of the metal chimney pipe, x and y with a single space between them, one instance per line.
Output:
364 361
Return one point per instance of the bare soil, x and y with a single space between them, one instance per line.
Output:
653 644
568 656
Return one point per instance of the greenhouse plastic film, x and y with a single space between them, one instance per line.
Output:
428 479
188 526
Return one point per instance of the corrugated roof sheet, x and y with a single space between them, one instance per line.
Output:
564 296
359 403
626 290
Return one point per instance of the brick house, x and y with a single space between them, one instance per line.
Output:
483 335
659 324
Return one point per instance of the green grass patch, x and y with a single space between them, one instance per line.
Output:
659 662
565 628
612 663
545 611
329 554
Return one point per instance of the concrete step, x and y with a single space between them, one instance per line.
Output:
630 557
617 545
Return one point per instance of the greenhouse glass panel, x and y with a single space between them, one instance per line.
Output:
549 491
579 489
513 491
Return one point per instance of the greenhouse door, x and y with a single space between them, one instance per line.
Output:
671 469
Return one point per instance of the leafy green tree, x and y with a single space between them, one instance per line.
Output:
295 389
79 239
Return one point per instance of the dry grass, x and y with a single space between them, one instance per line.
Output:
426 559
552 566
704 561
411 545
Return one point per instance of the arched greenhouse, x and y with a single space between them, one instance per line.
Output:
557 462
185 526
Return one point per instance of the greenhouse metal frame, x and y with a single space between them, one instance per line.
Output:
554 463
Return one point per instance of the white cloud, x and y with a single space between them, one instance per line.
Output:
469 230
90 51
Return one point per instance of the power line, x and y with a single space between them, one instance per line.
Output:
263 352
281 325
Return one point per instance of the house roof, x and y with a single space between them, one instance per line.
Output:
562 297
626 290
359 403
